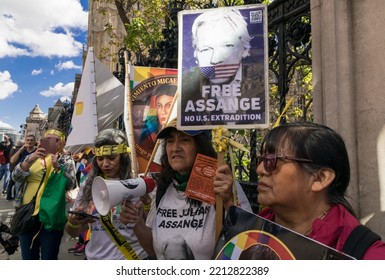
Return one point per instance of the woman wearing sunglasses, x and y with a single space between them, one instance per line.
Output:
304 173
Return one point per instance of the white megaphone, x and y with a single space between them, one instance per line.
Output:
108 193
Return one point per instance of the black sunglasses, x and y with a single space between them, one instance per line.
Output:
270 161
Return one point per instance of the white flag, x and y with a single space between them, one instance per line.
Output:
99 103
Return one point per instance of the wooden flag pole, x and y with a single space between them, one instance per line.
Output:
224 144
157 143
130 128
221 142
218 201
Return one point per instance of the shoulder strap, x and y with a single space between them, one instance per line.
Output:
118 239
359 240
43 183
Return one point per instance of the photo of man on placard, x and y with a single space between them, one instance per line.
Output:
222 57
219 55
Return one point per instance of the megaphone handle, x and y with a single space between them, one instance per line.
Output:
134 201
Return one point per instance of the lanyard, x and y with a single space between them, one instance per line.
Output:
118 239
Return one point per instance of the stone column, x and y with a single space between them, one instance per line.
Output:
348 71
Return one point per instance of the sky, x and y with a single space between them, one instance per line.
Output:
41 43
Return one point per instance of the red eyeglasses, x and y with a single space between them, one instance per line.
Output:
270 161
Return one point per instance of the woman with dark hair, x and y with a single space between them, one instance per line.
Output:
304 174
111 161
175 220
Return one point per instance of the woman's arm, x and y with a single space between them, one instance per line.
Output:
223 185
75 224
19 174
134 214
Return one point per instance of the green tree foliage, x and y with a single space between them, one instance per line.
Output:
143 21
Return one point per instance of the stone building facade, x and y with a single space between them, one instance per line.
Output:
98 38
348 75
36 123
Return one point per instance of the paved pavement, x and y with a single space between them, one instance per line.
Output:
6 211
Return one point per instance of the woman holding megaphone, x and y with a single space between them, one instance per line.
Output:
111 162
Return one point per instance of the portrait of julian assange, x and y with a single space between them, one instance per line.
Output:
223 62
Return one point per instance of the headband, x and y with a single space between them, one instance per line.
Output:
111 150
55 132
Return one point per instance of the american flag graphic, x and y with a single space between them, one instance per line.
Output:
222 71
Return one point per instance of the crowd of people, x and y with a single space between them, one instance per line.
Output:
25 172
303 173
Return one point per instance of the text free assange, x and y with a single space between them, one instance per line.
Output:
224 104
222 98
